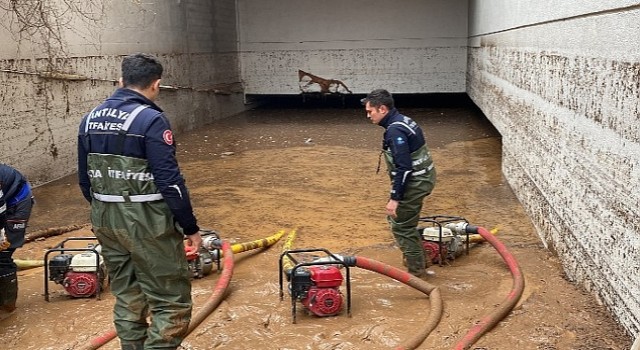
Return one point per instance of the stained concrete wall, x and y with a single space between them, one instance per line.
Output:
561 82
412 46
195 40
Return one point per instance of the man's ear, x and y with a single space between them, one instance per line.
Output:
384 109
156 85
120 82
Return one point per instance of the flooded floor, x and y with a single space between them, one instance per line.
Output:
314 171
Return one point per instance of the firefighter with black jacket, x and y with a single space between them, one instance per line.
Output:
16 202
412 175
140 208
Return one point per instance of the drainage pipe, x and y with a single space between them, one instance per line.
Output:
100 340
287 264
401 276
28 264
489 321
219 291
52 231
476 238
211 303
258 243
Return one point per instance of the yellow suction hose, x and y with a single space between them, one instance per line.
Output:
258 243
28 264
287 264
246 246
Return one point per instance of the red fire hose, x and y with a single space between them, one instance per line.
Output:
214 300
218 292
99 341
432 291
489 321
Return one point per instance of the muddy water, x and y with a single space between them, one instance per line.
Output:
313 171
60 202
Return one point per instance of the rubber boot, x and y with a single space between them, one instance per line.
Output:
8 292
132 345
415 266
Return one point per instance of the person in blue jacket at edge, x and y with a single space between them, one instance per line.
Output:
412 174
140 208
16 202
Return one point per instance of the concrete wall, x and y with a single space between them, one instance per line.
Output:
195 39
412 46
560 81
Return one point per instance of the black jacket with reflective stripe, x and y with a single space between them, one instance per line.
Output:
149 137
402 137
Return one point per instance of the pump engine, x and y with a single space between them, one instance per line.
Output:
81 274
316 284
439 242
318 289
450 248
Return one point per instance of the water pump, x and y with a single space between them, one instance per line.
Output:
316 284
81 274
440 243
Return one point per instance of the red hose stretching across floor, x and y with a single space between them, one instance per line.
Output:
489 321
220 290
99 341
432 291
210 305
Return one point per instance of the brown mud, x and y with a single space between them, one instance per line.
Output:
314 170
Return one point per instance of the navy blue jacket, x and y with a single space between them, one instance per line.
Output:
11 182
401 142
149 137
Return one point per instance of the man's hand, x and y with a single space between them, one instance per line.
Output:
391 207
4 242
195 241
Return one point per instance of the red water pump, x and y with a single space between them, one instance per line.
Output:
81 274
316 284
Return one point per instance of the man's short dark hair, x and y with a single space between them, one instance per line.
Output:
379 97
140 70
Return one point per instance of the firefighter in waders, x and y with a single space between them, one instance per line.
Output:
412 175
140 208
16 202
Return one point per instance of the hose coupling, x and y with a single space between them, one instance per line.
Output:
457 227
347 260
211 242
